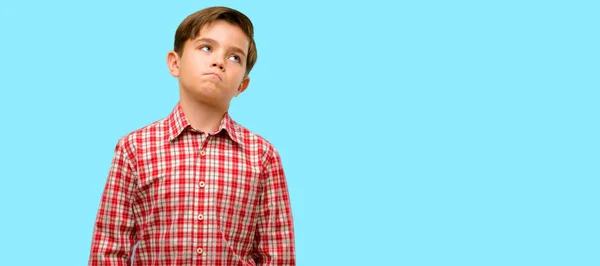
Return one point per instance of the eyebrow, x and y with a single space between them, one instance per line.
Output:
213 42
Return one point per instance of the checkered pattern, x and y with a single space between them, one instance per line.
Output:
190 198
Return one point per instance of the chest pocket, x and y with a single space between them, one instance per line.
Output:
238 196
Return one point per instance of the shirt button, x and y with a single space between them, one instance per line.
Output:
202 153
200 217
199 251
201 184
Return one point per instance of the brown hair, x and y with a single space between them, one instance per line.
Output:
190 28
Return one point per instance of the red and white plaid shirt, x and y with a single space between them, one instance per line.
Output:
190 198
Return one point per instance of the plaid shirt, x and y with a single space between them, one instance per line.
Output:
190 198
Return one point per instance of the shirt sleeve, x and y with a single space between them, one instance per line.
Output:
114 229
274 236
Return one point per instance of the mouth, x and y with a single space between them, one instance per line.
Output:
214 75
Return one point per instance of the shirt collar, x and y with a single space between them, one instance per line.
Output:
177 123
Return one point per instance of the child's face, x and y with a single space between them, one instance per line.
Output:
212 67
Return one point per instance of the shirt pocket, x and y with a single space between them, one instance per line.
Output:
238 198
230 251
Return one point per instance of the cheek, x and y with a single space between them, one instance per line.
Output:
237 74
192 65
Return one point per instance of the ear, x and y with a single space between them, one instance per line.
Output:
173 63
243 86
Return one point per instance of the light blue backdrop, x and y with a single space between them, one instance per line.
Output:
411 132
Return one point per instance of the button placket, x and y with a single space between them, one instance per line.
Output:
201 185
204 144
202 153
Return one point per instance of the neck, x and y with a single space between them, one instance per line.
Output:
202 117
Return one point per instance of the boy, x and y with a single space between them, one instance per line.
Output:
196 188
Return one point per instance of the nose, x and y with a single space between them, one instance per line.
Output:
219 64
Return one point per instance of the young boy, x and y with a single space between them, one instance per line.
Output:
196 188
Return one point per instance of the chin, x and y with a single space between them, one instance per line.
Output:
202 89
207 95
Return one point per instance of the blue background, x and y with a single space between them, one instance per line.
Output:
411 132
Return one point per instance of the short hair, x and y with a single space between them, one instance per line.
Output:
190 29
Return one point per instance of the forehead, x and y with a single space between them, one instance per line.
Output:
224 33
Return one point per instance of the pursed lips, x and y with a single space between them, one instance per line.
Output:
214 75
